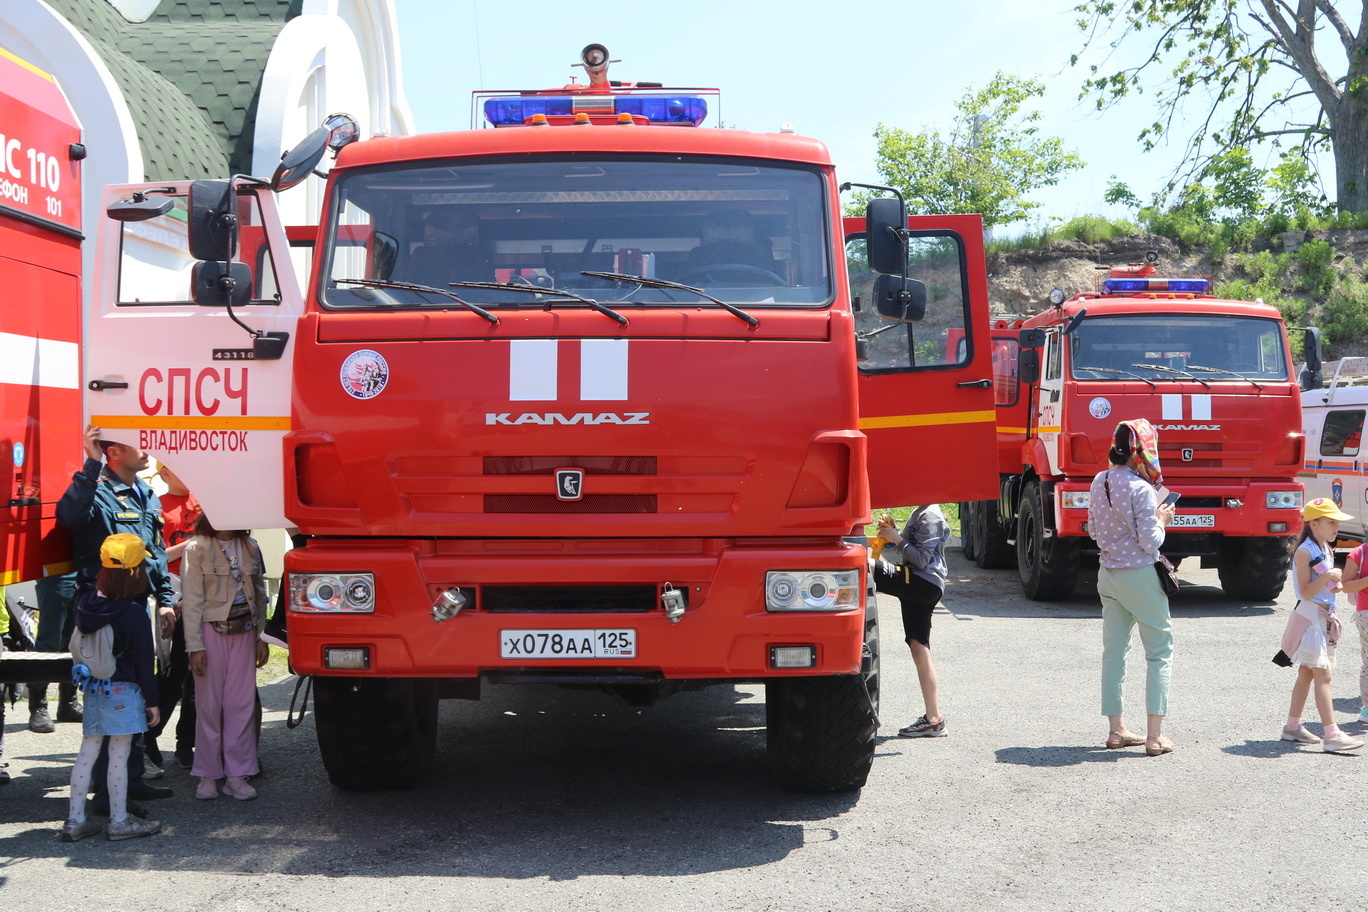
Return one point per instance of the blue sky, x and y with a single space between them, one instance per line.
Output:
832 70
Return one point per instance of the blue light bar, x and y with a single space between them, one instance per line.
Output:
661 109
1173 286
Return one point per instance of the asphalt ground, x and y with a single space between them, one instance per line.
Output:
549 799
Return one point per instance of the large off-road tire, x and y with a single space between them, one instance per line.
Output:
820 732
1253 569
1048 566
994 550
376 733
968 529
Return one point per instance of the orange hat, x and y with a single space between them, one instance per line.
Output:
122 550
1324 508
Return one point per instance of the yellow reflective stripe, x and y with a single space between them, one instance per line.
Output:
1048 430
10 577
1007 430
935 418
190 423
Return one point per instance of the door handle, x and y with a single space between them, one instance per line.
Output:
100 385
975 384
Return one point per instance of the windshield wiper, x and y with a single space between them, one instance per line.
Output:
1170 370
647 282
1221 370
410 286
1109 370
539 291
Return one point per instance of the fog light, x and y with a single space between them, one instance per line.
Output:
352 658
793 656
1280 528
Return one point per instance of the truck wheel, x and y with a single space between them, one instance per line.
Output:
969 529
376 733
995 550
820 732
1048 566
1253 569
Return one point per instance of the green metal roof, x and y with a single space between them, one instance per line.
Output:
191 75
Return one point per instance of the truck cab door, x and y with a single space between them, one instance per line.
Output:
926 387
179 380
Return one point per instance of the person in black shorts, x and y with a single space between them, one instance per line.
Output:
912 567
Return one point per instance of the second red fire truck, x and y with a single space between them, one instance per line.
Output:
1216 379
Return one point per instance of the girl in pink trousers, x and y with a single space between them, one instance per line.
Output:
223 584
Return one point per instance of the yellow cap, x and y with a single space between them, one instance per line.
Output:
1324 508
122 550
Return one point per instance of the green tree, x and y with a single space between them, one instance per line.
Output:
992 158
1250 70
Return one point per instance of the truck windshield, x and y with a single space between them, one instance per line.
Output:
1178 347
741 231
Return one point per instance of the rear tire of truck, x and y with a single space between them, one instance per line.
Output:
1253 569
820 732
376 733
993 550
1048 566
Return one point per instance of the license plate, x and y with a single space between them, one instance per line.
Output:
1194 521
617 643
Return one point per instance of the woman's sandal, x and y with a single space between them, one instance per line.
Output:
1162 746
1117 740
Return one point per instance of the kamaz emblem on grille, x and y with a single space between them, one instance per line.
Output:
569 484
1187 454
549 418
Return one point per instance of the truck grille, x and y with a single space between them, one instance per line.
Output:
568 599
591 503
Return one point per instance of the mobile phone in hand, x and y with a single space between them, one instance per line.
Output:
1171 499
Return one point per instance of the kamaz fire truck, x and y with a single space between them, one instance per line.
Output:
622 439
40 327
1216 379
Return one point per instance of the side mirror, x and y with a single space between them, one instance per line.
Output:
218 284
213 220
1031 338
1311 349
299 162
885 222
269 346
1028 366
385 253
900 299
139 208
1311 380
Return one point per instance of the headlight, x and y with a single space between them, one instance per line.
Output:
1076 500
1284 500
341 592
812 590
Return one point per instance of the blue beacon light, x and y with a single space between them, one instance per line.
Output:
684 110
1177 286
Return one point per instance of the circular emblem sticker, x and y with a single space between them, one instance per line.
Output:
18 455
364 374
1099 408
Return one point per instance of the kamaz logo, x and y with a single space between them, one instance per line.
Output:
1187 427
550 418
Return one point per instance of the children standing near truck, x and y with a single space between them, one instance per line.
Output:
1312 628
126 703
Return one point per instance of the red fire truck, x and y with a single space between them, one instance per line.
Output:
1215 377
40 322
574 398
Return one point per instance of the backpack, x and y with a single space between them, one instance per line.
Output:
94 650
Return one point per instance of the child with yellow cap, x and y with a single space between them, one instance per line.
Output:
126 703
1312 629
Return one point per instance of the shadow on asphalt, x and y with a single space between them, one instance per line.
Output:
532 782
1065 755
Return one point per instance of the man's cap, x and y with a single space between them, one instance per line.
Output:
122 550
1324 508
